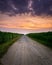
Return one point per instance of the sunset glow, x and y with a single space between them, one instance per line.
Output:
25 21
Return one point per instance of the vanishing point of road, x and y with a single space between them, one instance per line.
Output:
27 52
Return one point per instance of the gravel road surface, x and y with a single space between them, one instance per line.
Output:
27 52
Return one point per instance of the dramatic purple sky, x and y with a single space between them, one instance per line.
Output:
38 7
26 14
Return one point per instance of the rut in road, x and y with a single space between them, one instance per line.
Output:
27 52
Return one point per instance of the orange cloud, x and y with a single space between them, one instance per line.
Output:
25 22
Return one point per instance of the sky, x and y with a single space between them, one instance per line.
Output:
26 14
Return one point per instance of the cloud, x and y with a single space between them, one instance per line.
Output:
25 22
42 7
36 7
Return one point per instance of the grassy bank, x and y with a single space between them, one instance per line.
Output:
44 38
6 40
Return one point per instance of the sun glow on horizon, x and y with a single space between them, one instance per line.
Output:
25 22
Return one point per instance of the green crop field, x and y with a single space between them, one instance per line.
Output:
43 38
6 40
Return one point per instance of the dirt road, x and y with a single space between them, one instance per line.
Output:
27 52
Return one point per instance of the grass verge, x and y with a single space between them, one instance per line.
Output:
43 38
6 40
4 47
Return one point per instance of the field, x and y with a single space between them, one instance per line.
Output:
6 40
43 38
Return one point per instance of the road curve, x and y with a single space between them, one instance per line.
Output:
27 52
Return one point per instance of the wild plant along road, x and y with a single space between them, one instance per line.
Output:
27 52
